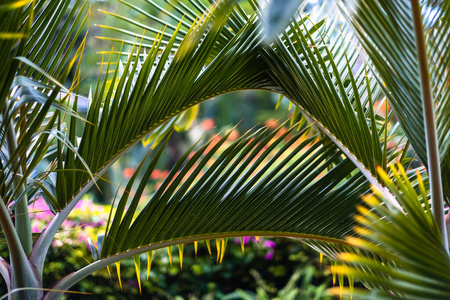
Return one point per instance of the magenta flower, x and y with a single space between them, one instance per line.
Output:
269 255
35 229
246 240
269 244
40 210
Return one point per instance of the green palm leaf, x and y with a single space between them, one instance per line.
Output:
219 53
29 91
321 81
259 185
136 106
351 93
407 238
230 189
386 31
405 64
123 114
174 79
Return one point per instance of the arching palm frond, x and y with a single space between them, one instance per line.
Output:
260 185
333 86
125 113
212 59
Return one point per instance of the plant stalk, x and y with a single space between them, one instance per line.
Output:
45 239
22 216
434 170
23 274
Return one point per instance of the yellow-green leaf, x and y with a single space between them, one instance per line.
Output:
149 263
137 266
186 118
169 252
118 274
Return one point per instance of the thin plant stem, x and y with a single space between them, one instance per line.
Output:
22 222
23 274
434 174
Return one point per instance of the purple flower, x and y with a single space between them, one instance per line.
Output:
35 229
68 224
246 240
269 244
269 255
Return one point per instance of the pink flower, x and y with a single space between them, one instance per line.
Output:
128 172
35 229
207 124
40 210
269 244
269 255
155 174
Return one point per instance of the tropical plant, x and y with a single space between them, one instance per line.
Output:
334 70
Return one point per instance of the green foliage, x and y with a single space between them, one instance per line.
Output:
202 277
264 268
269 181
386 232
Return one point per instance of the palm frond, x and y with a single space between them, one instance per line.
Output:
353 93
237 193
264 184
409 239
386 31
332 85
165 86
127 111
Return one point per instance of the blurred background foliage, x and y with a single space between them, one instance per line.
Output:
269 269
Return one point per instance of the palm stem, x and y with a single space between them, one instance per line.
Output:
23 274
44 241
437 199
22 217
